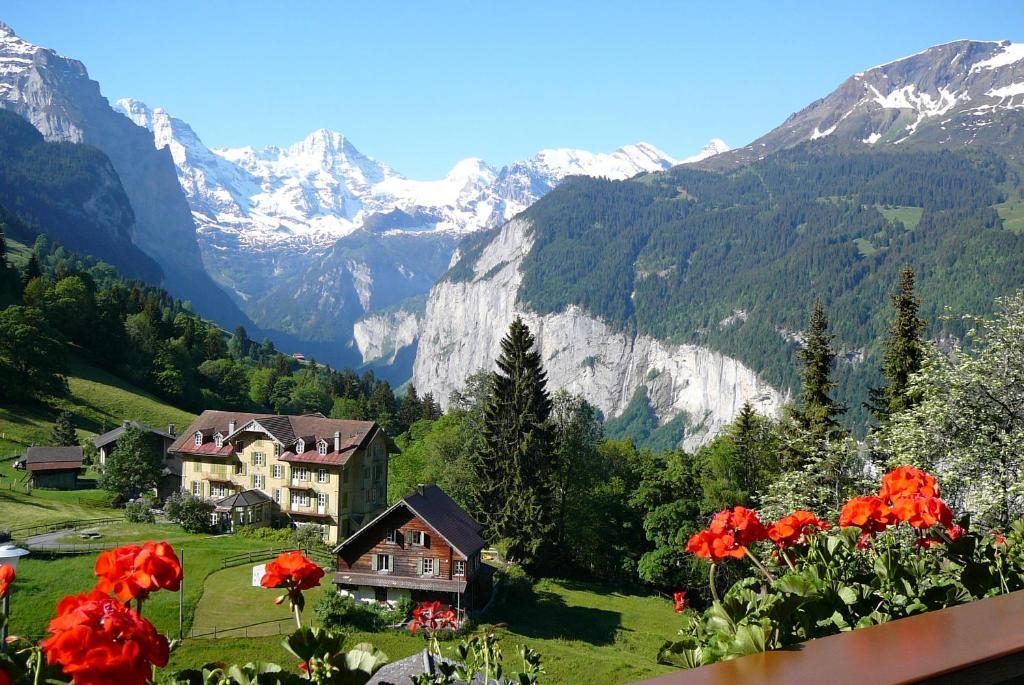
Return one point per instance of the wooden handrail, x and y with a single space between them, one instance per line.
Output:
980 643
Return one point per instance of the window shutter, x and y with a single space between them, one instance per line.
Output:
374 562
419 566
391 563
437 567
425 539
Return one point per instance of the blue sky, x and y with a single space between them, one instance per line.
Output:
421 85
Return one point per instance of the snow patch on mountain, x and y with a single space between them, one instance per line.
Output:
715 146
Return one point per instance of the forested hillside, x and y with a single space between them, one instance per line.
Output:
735 260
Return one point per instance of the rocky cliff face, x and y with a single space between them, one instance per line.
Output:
465 321
56 95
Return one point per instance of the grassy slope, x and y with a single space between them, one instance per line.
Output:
586 633
910 216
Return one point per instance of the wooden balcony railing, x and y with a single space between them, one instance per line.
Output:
981 643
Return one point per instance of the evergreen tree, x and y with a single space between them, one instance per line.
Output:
213 344
431 409
33 269
904 353
134 466
410 410
513 467
3 246
817 410
63 433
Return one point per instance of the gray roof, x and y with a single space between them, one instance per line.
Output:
115 435
35 455
435 508
246 498
400 672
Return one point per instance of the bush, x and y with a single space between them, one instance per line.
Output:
140 510
336 611
193 514
512 585
280 536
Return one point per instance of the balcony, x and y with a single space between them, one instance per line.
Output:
309 512
981 643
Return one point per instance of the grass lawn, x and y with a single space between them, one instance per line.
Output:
1012 214
42 583
48 506
587 633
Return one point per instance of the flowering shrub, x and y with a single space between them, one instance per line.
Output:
894 554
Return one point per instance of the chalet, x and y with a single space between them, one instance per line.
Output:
425 547
303 470
170 481
53 467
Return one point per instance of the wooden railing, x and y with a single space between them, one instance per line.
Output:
264 554
981 643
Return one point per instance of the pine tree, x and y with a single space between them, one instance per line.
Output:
410 410
32 269
431 409
513 467
817 410
3 247
63 433
904 353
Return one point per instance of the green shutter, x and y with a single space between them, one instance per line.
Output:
391 563
374 562
419 567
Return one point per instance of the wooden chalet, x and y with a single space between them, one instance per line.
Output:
424 548
53 467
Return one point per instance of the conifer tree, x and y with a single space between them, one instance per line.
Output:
904 353
431 409
410 409
3 246
63 433
817 410
513 467
33 269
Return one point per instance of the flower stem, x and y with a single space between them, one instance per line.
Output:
298 616
711 582
757 562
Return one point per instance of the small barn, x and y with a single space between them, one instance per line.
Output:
53 467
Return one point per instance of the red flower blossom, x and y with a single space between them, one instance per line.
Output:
432 616
133 572
996 535
794 529
97 640
927 542
679 598
907 481
870 514
6 578
740 522
922 512
292 570
955 531
715 546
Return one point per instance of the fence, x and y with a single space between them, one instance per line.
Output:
73 524
278 626
264 554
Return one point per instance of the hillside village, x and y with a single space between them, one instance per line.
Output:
280 415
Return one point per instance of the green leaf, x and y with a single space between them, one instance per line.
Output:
849 595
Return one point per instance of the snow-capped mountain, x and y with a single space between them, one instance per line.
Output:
960 93
715 146
312 236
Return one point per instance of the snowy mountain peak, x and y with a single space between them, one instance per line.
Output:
715 146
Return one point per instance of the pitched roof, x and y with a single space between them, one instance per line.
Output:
54 466
284 429
115 435
70 456
246 498
434 507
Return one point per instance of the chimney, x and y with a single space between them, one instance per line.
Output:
231 426
337 441
170 429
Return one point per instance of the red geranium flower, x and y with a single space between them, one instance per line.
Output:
996 535
6 578
922 512
133 572
794 529
292 570
681 603
955 531
870 514
715 546
907 481
432 616
740 522
97 640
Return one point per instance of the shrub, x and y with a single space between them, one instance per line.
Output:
512 585
193 514
140 510
336 611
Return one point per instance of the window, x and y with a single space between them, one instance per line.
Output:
418 538
321 476
321 500
460 568
218 440
321 448
382 562
217 490
277 450
428 566
300 446
258 459
277 471
199 438
239 445
257 481
197 488
392 536
303 473
300 499
197 467
277 495
240 469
